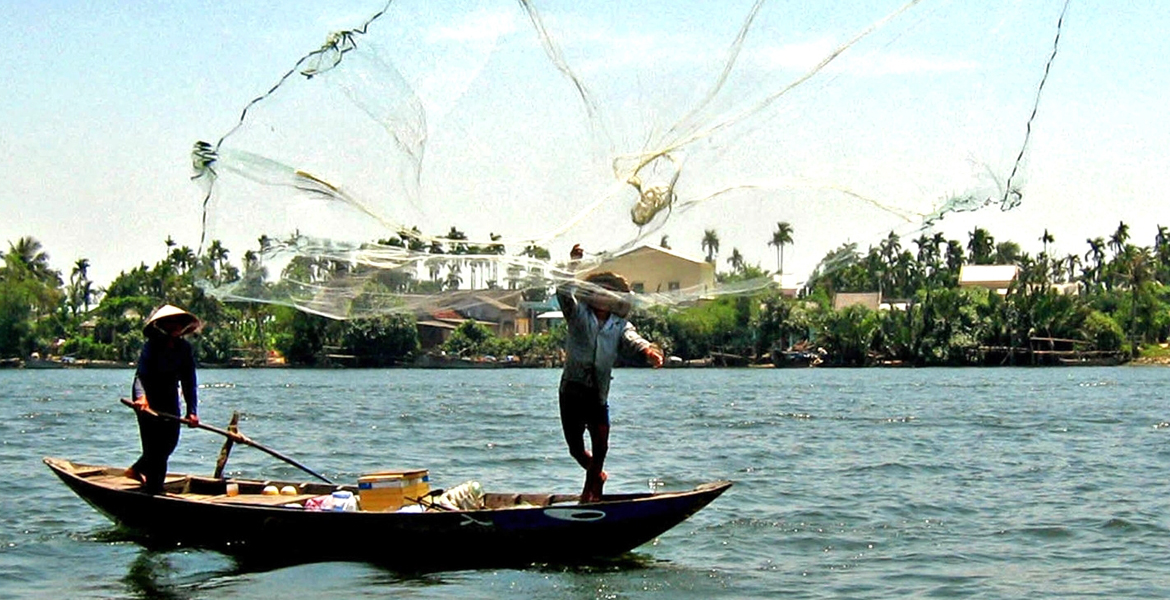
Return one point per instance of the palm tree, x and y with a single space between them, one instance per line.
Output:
924 249
453 280
780 237
497 249
954 259
980 246
1046 239
80 287
216 262
736 260
183 259
924 258
1133 267
1007 253
888 251
537 252
1096 253
27 255
1161 254
1071 262
1119 238
710 244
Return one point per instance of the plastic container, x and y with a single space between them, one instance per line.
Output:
390 490
343 501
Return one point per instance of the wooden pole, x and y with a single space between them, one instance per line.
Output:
221 462
238 437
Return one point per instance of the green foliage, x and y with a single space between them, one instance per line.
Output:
720 325
849 334
16 322
300 336
1124 302
1104 333
379 341
84 347
468 337
216 345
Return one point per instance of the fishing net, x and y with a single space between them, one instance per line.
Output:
443 154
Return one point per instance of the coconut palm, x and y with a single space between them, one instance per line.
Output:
1007 253
781 237
1071 263
80 287
736 261
710 244
1046 239
980 246
1134 270
1119 238
28 256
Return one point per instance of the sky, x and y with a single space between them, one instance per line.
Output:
105 100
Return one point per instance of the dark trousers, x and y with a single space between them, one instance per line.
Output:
159 439
582 410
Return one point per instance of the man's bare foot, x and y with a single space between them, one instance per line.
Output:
131 473
593 487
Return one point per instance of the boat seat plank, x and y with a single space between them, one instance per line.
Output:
259 499
121 482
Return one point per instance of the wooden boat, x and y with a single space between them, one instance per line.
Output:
795 358
727 359
511 528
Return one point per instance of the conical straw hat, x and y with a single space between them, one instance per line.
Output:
168 311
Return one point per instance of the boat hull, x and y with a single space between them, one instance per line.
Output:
558 532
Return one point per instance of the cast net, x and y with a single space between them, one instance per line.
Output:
443 154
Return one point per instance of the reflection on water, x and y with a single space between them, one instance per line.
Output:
153 575
169 572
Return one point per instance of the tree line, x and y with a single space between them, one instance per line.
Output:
1120 305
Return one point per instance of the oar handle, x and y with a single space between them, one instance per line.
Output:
235 436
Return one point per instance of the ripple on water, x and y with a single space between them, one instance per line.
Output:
994 483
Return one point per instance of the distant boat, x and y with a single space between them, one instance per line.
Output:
436 361
44 363
727 359
509 529
795 358
1097 360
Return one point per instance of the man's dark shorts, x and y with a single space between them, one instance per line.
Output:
581 407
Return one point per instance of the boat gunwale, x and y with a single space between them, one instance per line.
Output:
71 469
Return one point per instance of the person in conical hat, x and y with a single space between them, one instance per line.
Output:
595 311
165 365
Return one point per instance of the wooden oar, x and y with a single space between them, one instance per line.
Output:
235 437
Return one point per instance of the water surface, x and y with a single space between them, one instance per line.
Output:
952 483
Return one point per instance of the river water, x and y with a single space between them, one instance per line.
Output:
943 483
